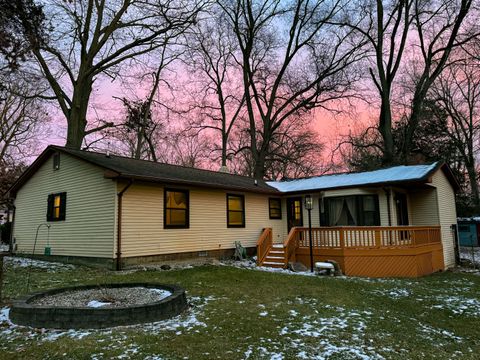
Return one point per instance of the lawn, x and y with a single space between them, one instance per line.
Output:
240 313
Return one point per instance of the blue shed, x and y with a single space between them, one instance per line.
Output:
468 231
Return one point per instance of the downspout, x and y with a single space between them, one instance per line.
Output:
119 224
10 245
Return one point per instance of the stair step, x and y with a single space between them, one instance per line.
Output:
273 264
276 251
277 246
275 257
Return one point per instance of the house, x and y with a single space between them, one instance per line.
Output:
116 211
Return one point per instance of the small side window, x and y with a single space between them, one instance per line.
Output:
56 161
56 207
275 208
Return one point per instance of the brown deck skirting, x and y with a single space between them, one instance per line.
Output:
394 262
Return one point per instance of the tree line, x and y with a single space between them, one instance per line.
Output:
237 84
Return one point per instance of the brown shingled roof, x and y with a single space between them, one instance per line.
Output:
143 170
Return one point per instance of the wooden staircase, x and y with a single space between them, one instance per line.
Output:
275 257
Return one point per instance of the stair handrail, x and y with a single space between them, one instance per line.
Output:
290 245
264 244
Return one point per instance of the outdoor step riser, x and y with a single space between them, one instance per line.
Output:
274 265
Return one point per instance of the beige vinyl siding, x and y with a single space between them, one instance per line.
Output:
88 229
423 207
447 215
142 222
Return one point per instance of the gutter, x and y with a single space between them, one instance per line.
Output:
119 225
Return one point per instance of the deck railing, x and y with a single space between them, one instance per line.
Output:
264 244
367 237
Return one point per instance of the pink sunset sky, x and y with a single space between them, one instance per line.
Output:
104 105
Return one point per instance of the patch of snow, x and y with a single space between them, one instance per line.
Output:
393 294
97 304
458 305
162 294
325 330
428 332
21 262
263 313
3 247
250 265
396 173
471 254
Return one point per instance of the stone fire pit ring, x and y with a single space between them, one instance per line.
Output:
25 312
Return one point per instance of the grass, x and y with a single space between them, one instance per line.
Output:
238 313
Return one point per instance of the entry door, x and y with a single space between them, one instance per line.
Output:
402 209
294 212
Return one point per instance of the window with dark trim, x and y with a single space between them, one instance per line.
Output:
275 208
355 210
176 209
56 206
235 210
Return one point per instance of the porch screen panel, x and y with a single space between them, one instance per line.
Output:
356 210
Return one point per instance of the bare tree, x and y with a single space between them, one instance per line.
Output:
185 148
21 117
210 57
440 29
90 39
457 95
288 70
385 26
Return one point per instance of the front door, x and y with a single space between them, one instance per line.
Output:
402 209
294 212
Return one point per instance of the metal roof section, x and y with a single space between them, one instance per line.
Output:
396 174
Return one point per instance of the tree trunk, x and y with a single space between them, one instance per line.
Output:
385 128
77 121
259 165
417 105
472 178
138 149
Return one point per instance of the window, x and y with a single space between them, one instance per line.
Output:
56 207
358 210
275 208
235 210
56 161
176 209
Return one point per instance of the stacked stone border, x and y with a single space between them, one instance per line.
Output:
23 312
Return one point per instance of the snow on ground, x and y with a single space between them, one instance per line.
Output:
21 262
3 247
251 265
470 254
186 322
97 304
393 293
458 305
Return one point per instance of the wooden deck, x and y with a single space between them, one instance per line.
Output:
377 251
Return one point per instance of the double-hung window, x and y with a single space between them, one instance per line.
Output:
56 206
176 209
235 210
